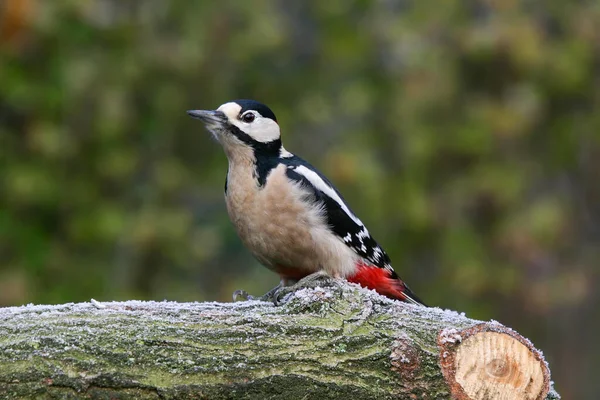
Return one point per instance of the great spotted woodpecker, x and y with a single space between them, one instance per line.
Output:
290 217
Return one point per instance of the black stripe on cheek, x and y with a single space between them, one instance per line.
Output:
241 135
266 155
261 149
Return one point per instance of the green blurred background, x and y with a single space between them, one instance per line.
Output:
465 134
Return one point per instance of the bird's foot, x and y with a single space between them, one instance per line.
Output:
278 294
312 281
242 295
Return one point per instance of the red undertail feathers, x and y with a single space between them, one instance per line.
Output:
384 282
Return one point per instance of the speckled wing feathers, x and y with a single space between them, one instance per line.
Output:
340 218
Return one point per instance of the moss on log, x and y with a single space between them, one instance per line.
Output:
324 343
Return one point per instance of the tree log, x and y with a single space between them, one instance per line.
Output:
323 343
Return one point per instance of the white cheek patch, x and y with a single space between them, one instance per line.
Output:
262 129
317 182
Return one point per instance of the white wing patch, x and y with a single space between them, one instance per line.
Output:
340 220
377 253
283 153
318 183
363 234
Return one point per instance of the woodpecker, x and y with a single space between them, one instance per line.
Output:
287 213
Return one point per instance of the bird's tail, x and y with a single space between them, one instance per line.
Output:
385 282
410 297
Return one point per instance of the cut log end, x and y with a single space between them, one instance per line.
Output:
490 361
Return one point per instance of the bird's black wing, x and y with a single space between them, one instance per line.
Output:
340 218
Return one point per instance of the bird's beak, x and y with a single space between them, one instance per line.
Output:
209 117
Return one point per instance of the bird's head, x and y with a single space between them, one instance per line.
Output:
242 123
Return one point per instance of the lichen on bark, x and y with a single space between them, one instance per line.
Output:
321 343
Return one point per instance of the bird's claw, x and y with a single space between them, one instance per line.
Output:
312 281
242 295
278 294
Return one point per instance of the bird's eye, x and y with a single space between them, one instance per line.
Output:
248 117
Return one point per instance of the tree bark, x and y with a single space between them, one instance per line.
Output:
323 343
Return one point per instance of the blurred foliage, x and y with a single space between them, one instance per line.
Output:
465 134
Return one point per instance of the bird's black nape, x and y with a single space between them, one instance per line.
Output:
256 106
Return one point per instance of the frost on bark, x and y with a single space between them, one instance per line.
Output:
340 342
